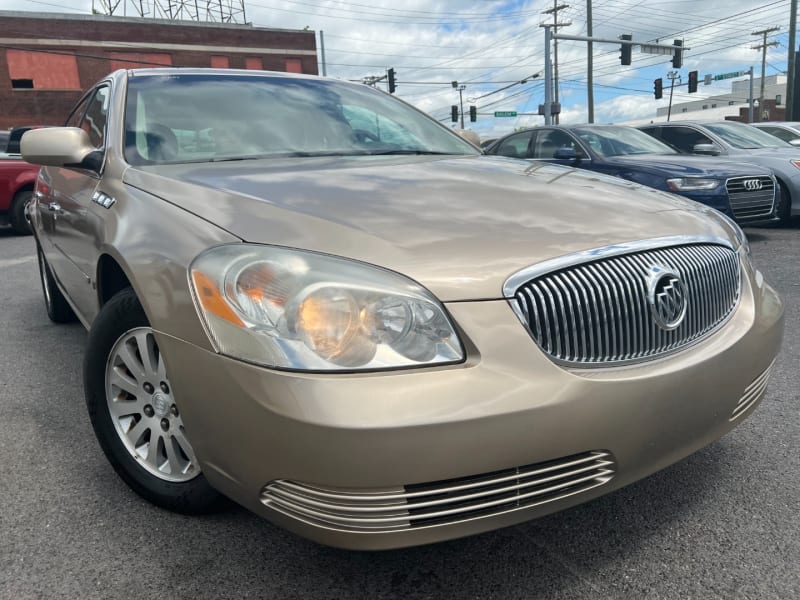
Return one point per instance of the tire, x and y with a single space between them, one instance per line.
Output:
784 210
16 213
130 404
58 309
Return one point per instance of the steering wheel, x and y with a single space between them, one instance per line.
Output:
365 137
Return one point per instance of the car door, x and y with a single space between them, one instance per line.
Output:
73 211
546 142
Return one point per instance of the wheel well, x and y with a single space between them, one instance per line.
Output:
110 279
28 187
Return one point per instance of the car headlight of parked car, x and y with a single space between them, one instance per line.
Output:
301 310
692 184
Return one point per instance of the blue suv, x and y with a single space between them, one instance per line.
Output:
745 192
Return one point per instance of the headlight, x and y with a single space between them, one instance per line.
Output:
301 310
692 184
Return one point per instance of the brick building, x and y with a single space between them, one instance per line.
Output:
46 60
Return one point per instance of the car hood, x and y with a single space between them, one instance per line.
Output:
678 165
458 225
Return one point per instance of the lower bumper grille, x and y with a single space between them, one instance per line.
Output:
752 393
751 197
441 502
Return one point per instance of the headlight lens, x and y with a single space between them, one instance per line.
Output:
692 184
301 310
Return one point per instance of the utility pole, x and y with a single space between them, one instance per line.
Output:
763 47
673 75
556 7
750 110
548 77
322 50
790 76
589 61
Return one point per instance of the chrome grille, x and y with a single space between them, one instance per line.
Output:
441 502
750 203
598 312
752 393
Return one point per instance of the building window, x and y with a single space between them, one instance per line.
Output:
42 71
253 63
713 106
137 60
684 110
220 62
294 65
731 102
705 106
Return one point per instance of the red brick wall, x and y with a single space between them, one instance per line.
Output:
23 107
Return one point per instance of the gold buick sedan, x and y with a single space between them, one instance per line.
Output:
309 297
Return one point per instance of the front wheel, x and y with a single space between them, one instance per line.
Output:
18 212
135 414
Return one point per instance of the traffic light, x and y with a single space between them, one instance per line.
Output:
677 57
473 113
658 88
454 113
692 81
625 49
390 76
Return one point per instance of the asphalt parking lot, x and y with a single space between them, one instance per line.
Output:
724 523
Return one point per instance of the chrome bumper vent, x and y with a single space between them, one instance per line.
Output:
600 313
752 393
751 197
441 502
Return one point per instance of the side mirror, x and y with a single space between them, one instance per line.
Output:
565 154
57 147
795 142
709 149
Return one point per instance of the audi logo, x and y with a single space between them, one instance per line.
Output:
752 185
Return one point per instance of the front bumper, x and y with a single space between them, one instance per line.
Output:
339 439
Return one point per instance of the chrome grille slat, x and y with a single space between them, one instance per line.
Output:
597 312
443 502
752 393
746 203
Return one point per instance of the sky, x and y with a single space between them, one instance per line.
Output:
492 46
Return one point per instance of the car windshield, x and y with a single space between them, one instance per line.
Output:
620 141
744 136
209 117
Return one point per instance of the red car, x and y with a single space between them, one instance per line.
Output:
17 179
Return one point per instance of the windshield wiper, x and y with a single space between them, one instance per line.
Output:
418 151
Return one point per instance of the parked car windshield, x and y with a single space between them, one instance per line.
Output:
744 136
618 141
209 117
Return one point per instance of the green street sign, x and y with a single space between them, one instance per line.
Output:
730 75
505 113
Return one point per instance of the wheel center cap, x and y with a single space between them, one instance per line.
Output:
160 404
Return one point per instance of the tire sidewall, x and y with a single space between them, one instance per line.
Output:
118 316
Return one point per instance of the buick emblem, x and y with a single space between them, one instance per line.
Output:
667 297
752 185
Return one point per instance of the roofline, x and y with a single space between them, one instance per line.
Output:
17 14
